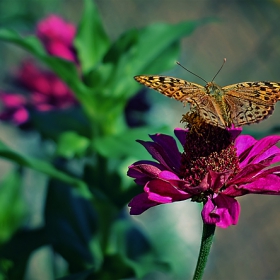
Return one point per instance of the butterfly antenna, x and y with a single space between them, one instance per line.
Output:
219 69
191 72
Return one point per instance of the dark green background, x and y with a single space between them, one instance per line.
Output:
247 34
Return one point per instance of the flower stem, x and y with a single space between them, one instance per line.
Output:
205 246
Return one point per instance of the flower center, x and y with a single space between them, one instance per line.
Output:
207 148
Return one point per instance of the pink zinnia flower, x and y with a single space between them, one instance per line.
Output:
57 37
14 108
48 92
216 166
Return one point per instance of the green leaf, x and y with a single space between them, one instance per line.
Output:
16 252
29 43
101 74
71 144
115 267
91 40
135 249
161 37
101 179
51 123
125 144
12 206
68 217
5 266
159 65
43 167
124 44
132 55
84 275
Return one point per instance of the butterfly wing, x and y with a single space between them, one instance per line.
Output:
185 91
251 102
172 87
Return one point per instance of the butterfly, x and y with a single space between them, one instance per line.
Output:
237 104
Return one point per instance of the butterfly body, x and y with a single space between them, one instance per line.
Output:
236 104
218 100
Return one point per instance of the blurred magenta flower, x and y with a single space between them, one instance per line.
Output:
57 36
213 171
14 108
47 91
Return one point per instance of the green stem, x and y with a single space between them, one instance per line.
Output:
205 246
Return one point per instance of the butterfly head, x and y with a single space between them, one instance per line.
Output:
214 89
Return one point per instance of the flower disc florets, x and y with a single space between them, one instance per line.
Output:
207 148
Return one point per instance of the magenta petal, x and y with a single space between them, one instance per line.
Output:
140 204
228 209
253 179
167 175
212 180
163 192
143 171
11 100
59 49
167 158
234 191
217 180
139 169
260 147
181 133
275 158
234 132
268 156
244 142
247 174
269 184
208 213
169 145
273 170
222 211
20 115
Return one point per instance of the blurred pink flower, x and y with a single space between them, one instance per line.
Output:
47 91
213 172
57 37
14 108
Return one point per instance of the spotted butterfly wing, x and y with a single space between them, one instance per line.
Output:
185 91
237 104
251 102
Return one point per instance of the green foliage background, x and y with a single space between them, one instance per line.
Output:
38 196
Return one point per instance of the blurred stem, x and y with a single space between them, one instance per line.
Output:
106 210
205 246
106 115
